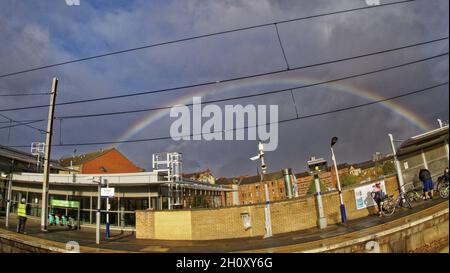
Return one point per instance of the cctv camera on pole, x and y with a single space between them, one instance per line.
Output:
268 223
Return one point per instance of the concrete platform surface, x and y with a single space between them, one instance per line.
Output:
289 242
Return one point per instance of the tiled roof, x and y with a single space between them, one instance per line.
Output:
224 181
83 158
198 174
243 180
302 174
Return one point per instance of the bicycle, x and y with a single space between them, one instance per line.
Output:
414 195
388 204
442 187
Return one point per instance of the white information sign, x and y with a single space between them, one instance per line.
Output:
107 192
363 195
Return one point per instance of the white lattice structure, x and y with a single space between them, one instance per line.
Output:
171 164
38 150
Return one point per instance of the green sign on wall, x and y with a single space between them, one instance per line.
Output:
65 203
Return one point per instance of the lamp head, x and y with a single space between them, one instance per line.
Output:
333 141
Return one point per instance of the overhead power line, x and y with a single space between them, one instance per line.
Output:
228 80
23 94
201 36
296 88
27 124
290 89
26 120
20 123
246 127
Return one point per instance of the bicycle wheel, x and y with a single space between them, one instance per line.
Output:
388 207
443 189
412 196
405 203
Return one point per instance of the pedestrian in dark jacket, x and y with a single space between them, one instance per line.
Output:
425 177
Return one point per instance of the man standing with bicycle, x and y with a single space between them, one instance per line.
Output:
425 177
445 176
442 185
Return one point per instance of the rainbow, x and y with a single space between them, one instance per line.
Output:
287 80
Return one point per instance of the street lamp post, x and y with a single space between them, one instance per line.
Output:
343 213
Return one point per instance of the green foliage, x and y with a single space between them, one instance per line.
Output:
312 187
348 179
199 202
388 167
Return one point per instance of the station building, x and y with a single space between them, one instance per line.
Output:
163 188
428 150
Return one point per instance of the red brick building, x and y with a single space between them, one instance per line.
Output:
250 189
102 161
328 179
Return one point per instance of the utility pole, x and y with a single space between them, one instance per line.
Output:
8 198
48 148
268 221
397 164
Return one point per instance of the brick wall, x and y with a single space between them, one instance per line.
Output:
146 222
253 193
287 216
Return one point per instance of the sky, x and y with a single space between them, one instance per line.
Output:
39 33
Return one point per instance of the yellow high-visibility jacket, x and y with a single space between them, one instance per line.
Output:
22 210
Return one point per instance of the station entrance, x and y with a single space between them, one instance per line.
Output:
64 213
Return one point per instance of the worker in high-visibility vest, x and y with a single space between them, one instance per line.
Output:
22 213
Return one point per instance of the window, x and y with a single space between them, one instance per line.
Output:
85 201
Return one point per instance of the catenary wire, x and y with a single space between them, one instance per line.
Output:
203 36
227 80
246 127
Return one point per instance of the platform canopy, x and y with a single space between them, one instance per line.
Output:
423 141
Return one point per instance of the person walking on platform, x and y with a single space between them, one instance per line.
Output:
378 195
22 213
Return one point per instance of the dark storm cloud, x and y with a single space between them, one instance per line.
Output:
35 33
